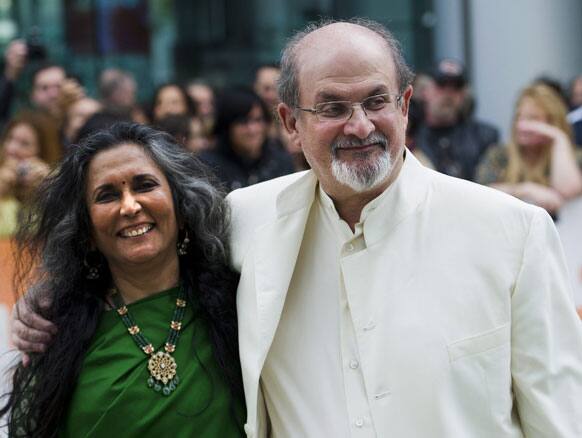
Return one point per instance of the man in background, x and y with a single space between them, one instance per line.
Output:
47 81
449 136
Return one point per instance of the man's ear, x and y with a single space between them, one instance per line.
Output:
405 103
289 122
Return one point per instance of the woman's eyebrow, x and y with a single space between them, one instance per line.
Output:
143 176
100 188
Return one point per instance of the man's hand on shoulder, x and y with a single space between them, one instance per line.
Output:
31 333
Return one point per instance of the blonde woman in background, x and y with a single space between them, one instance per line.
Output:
28 147
539 163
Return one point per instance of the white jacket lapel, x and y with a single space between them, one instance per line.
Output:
276 255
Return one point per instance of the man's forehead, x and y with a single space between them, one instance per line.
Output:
344 50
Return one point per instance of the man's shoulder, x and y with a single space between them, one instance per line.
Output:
476 202
263 194
251 207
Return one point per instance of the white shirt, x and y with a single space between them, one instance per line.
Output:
312 380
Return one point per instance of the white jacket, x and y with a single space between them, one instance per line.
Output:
477 334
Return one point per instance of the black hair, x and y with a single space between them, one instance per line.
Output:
234 105
56 236
101 120
177 125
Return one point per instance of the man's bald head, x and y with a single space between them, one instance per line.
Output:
313 36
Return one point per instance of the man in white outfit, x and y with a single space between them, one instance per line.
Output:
381 299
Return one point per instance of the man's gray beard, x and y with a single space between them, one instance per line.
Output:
362 176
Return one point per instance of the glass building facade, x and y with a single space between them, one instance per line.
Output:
221 41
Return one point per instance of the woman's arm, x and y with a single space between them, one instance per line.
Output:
540 195
565 176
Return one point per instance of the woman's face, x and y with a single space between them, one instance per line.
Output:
21 143
170 101
529 110
131 208
248 135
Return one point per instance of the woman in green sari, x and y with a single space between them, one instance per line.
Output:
129 240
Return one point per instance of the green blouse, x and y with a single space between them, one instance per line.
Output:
112 398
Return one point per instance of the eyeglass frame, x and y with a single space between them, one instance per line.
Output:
351 105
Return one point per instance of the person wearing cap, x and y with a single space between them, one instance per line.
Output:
449 137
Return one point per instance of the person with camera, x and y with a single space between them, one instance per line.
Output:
28 147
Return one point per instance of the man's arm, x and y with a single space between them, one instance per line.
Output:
31 333
546 338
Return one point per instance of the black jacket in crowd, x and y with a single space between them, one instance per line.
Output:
456 150
235 171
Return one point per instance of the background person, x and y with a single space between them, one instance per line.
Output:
203 97
28 148
47 81
448 136
171 99
15 58
244 154
76 114
143 242
539 164
118 93
265 84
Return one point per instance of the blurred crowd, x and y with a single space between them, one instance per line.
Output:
235 129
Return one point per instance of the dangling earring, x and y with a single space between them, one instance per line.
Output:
92 270
183 246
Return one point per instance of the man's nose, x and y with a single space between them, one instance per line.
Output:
359 124
129 205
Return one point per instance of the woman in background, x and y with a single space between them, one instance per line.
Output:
243 154
539 163
170 99
28 148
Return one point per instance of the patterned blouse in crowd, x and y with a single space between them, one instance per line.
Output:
493 166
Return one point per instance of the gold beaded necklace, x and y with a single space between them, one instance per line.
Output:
161 365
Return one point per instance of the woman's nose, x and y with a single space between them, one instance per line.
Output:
129 205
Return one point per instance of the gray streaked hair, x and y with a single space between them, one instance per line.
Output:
288 83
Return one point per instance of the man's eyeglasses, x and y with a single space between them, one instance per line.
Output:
342 110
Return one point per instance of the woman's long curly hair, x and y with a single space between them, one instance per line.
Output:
55 239
553 107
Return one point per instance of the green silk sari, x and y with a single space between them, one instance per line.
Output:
112 399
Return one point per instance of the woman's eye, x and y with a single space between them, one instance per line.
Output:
145 186
105 197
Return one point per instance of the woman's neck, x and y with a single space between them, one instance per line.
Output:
135 283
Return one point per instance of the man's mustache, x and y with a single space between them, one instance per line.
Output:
351 141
